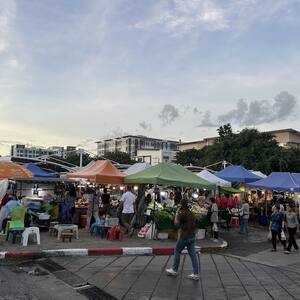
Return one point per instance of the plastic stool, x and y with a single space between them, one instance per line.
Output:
27 232
234 221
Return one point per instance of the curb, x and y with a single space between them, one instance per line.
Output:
121 251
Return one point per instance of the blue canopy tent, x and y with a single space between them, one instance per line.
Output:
38 172
296 175
279 181
237 174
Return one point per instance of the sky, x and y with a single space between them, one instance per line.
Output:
74 72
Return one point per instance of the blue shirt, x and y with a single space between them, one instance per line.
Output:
10 205
277 220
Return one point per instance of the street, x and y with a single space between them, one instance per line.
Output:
246 270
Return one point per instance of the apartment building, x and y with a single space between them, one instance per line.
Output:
154 156
132 143
20 150
285 137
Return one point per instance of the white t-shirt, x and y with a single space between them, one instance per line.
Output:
128 200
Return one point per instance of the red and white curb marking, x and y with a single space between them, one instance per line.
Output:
122 251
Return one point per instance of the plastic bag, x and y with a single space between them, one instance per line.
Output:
269 237
150 232
282 235
215 227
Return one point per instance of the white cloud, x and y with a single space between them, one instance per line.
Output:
7 15
13 63
186 15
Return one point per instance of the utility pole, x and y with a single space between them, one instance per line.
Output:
80 157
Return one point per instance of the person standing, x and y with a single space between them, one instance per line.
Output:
214 218
128 200
292 223
245 211
187 226
105 199
276 226
93 206
177 196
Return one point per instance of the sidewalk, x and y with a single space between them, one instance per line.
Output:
91 245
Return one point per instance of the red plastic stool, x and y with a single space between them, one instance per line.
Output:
235 221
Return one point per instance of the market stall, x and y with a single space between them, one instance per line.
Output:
102 172
208 176
277 181
38 172
168 174
138 167
237 174
12 170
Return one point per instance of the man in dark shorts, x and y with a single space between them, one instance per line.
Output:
187 227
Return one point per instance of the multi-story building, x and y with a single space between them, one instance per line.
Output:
196 144
155 156
285 137
288 138
132 143
19 150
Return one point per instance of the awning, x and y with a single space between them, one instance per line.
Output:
279 181
38 172
168 174
12 170
237 174
206 175
102 171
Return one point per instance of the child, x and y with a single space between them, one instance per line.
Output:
95 229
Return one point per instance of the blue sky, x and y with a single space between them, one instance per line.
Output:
73 72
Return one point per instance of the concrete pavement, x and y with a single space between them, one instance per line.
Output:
137 277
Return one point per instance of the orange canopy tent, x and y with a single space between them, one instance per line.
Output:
12 170
102 171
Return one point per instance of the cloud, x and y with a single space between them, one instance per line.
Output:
7 15
206 120
146 126
261 111
183 16
168 114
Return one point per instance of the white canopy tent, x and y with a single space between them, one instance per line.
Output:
136 168
214 179
259 173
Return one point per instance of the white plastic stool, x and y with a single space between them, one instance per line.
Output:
28 231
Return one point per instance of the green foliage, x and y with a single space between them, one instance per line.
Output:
253 149
164 219
120 157
201 221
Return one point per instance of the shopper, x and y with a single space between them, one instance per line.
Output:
291 221
214 219
128 200
245 210
187 226
93 206
277 226
105 199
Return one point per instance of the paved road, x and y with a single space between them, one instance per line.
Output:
141 278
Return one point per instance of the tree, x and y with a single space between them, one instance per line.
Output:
120 157
225 131
253 149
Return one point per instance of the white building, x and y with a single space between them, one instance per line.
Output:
132 143
153 156
20 150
